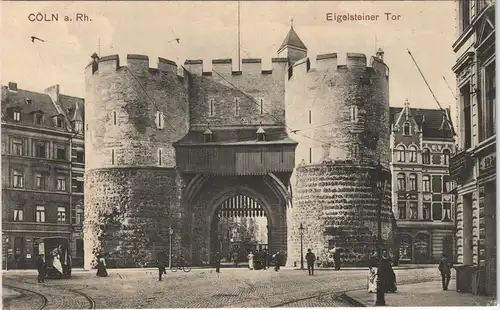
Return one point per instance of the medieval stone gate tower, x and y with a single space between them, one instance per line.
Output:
174 149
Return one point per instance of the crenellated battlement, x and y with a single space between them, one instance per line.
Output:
225 66
135 63
354 61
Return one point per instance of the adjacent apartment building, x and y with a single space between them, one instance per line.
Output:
473 166
422 141
42 173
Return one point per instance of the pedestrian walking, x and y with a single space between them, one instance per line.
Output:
235 259
277 261
162 263
310 258
218 258
336 257
372 273
445 266
41 266
250 260
386 274
101 268
265 259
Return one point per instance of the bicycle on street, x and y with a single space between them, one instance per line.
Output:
184 268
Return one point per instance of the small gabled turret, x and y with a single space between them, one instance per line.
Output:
292 47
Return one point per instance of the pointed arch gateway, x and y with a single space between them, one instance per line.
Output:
217 200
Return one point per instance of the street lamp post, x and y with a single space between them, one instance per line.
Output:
170 233
301 231
381 183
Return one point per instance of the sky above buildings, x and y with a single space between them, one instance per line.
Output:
209 30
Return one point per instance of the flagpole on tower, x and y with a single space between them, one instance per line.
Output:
99 47
239 45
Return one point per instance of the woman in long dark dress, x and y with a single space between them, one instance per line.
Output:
386 274
101 268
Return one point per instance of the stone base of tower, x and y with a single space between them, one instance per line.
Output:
128 212
337 205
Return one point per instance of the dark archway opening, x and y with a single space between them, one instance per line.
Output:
240 226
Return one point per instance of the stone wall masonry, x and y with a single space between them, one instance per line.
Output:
135 93
254 84
337 202
128 213
328 94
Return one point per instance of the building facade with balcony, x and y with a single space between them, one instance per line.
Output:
473 165
42 173
422 141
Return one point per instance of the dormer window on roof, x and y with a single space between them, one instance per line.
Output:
261 134
406 129
16 115
38 118
208 135
59 121
28 101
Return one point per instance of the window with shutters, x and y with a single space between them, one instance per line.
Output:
402 210
412 152
401 182
17 178
426 156
413 210
413 182
40 181
18 215
40 149
17 116
17 147
61 215
61 183
426 183
40 214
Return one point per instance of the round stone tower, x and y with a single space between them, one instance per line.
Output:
339 115
133 115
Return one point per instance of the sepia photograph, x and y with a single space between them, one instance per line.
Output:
248 154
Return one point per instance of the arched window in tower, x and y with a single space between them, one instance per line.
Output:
426 156
400 152
446 157
406 129
413 153
401 182
354 113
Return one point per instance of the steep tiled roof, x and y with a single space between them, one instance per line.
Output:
237 136
430 120
292 39
28 102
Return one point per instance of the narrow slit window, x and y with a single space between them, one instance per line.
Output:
211 107
354 114
310 119
261 102
114 117
159 157
236 106
310 155
112 157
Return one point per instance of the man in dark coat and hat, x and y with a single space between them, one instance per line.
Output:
162 263
41 266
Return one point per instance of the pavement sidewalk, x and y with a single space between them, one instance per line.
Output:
426 294
8 293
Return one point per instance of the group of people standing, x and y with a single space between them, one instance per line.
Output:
259 260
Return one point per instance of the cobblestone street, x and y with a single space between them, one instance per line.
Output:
200 288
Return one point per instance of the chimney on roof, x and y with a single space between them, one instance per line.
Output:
12 86
53 92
